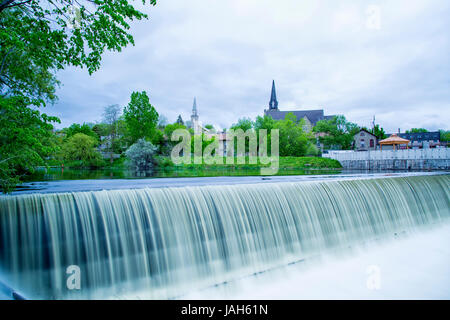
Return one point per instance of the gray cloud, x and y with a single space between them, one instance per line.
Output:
320 53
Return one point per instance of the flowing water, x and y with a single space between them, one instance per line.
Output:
168 241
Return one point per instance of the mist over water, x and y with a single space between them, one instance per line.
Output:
169 241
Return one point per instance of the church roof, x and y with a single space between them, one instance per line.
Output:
313 115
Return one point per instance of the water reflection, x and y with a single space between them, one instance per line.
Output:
44 174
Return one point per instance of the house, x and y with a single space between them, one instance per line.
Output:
422 140
365 141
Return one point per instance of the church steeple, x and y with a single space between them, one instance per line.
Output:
273 104
194 110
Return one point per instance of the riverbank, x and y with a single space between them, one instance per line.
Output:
165 163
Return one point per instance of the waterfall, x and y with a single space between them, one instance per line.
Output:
167 241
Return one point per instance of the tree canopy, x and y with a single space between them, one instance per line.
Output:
337 132
80 148
294 141
416 130
38 38
141 118
243 123
77 128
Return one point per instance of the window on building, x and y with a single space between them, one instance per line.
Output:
372 143
363 143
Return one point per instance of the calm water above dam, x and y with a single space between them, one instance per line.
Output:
180 235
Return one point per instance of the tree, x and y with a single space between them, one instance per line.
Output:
141 154
379 132
84 128
48 38
201 139
141 118
416 130
445 135
243 123
25 136
101 129
111 115
338 132
168 144
80 148
266 122
170 128
38 38
180 120
294 141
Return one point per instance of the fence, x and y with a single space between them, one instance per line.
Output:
411 154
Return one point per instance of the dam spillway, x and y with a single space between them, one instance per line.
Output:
168 241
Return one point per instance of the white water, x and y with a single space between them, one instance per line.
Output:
172 241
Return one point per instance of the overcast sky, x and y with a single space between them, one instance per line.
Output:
390 59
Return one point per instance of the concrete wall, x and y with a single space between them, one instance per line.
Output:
422 159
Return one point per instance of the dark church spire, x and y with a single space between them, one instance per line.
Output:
273 104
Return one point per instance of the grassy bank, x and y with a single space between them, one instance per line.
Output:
287 166
285 163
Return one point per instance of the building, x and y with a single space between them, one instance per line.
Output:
365 141
422 140
195 123
311 117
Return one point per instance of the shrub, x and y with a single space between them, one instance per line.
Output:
141 155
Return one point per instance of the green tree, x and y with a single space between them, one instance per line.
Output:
79 150
243 123
84 128
170 128
445 135
203 139
101 129
338 132
25 136
416 130
266 122
379 132
38 38
294 141
44 37
167 144
141 118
